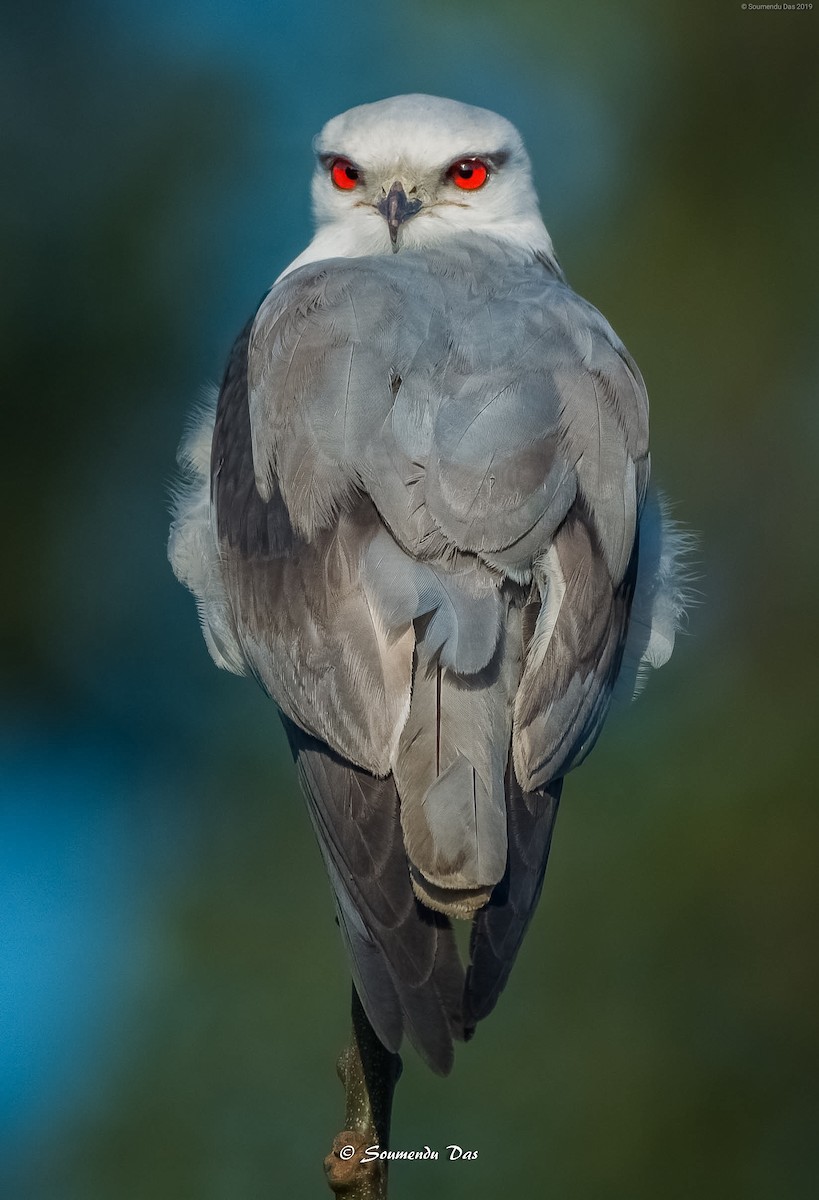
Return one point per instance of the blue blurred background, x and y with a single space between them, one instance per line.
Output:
173 990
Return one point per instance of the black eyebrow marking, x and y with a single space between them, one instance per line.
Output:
494 159
328 157
498 158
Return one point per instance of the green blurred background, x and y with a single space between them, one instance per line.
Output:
174 992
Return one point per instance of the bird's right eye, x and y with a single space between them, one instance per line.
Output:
343 174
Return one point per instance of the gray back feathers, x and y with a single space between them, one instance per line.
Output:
426 483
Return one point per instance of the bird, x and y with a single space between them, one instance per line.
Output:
420 514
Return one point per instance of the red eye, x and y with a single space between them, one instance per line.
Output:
469 174
344 175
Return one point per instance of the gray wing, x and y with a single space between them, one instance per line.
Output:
305 629
407 457
403 956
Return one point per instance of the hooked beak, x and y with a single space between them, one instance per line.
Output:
396 207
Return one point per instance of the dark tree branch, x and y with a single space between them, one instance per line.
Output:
369 1073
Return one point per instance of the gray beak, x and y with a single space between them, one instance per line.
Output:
396 207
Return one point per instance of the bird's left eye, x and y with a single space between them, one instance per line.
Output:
343 174
469 174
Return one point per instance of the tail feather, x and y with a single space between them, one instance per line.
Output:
449 771
404 957
499 928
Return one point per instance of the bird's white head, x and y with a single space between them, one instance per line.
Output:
412 171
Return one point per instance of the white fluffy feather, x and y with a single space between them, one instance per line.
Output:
192 548
661 595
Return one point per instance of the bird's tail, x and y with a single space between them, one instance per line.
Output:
498 929
403 956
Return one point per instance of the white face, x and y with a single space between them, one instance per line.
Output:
409 172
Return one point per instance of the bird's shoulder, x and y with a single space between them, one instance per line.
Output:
474 300
460 272
471 387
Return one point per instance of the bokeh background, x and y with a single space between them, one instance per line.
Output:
174 992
